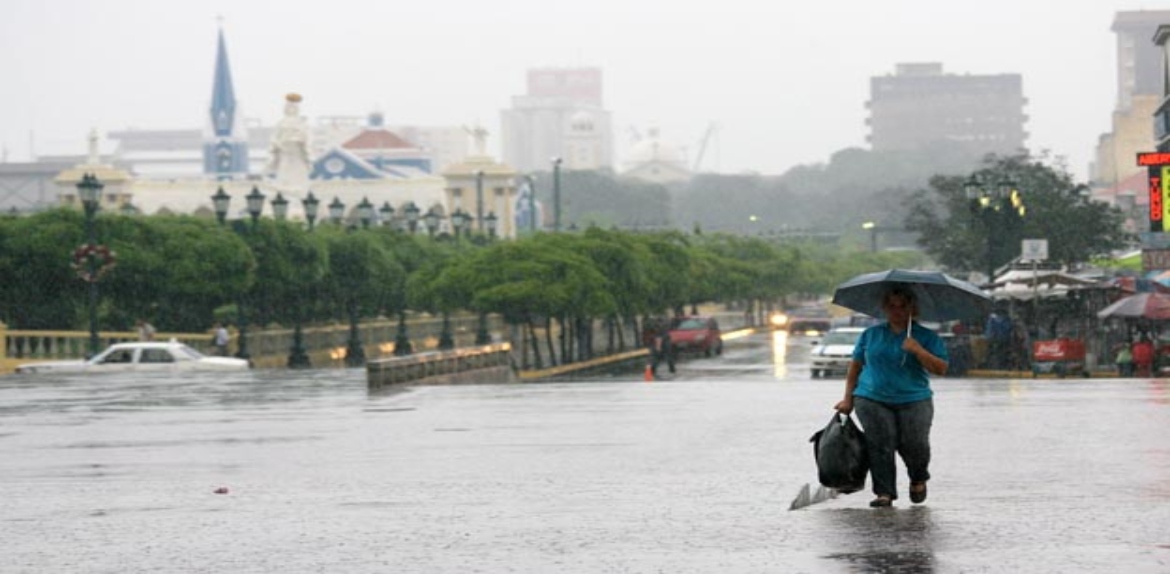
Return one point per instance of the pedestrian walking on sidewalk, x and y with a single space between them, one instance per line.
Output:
888 383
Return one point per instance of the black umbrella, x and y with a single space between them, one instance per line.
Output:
940 296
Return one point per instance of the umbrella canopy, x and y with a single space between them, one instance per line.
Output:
940 296
1141 306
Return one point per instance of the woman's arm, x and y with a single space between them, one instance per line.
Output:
933 364
845 405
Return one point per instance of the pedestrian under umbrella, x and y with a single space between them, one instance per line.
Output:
888 383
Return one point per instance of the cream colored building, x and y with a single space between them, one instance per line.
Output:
478 178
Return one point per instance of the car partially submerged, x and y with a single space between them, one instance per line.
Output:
141 356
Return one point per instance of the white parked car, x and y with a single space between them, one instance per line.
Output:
141 356
832 354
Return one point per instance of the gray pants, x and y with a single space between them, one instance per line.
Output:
891 428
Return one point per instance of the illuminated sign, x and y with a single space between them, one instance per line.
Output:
1150 158
1159 189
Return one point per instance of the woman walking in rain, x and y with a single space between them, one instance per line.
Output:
888 383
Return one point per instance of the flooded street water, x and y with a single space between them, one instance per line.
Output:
693 474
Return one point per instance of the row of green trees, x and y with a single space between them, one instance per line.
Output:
178 271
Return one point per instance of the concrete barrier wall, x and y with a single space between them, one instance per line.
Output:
485 363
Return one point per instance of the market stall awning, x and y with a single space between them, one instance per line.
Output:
1026 284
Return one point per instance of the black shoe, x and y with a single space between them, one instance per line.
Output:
918 496
882 501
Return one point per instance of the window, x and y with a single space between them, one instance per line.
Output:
156 356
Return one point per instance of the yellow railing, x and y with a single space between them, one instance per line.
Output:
268 347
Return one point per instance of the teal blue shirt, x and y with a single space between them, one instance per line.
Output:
889 374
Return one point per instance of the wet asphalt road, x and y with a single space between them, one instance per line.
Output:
693 474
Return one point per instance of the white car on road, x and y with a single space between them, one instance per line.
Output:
832 354
142 356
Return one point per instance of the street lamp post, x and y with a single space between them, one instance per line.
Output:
991 202
459 219
431 222
221 200
355 353
446 341
279 207
365 212
311 205
411 211
479 200
336 210
872 227
531 203
387 213
556 163
482 337
89 190
255 201
298 357
491 220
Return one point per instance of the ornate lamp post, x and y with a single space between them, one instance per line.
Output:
491 221
255 201
221 200
431 221
298 358
556 163
387 213
89 190
336 211
365 212
311 204
1000 201
279 207
459 219
355 355
410 210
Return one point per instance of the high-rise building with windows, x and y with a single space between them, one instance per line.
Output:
920 107
1139 91
561 115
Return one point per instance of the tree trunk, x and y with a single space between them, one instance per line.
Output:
552 349
535 344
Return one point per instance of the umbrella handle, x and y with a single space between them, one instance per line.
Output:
909 324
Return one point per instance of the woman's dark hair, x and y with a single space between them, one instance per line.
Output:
905 293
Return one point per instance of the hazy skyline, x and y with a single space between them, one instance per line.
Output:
785 85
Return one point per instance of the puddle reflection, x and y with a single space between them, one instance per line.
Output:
887 540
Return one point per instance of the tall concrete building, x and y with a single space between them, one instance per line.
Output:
561 115
1139 91
920 106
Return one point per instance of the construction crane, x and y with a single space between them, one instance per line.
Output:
703 146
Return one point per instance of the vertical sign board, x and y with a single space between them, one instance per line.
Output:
1158 168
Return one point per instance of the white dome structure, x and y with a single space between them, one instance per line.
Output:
656 160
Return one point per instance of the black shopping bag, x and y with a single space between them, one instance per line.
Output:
839 449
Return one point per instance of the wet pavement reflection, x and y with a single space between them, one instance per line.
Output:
307 472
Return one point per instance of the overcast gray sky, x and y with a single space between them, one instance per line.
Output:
785 83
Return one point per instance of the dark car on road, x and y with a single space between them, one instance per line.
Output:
696 335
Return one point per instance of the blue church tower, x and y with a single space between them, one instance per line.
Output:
225 145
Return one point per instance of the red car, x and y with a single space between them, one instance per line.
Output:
696 335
